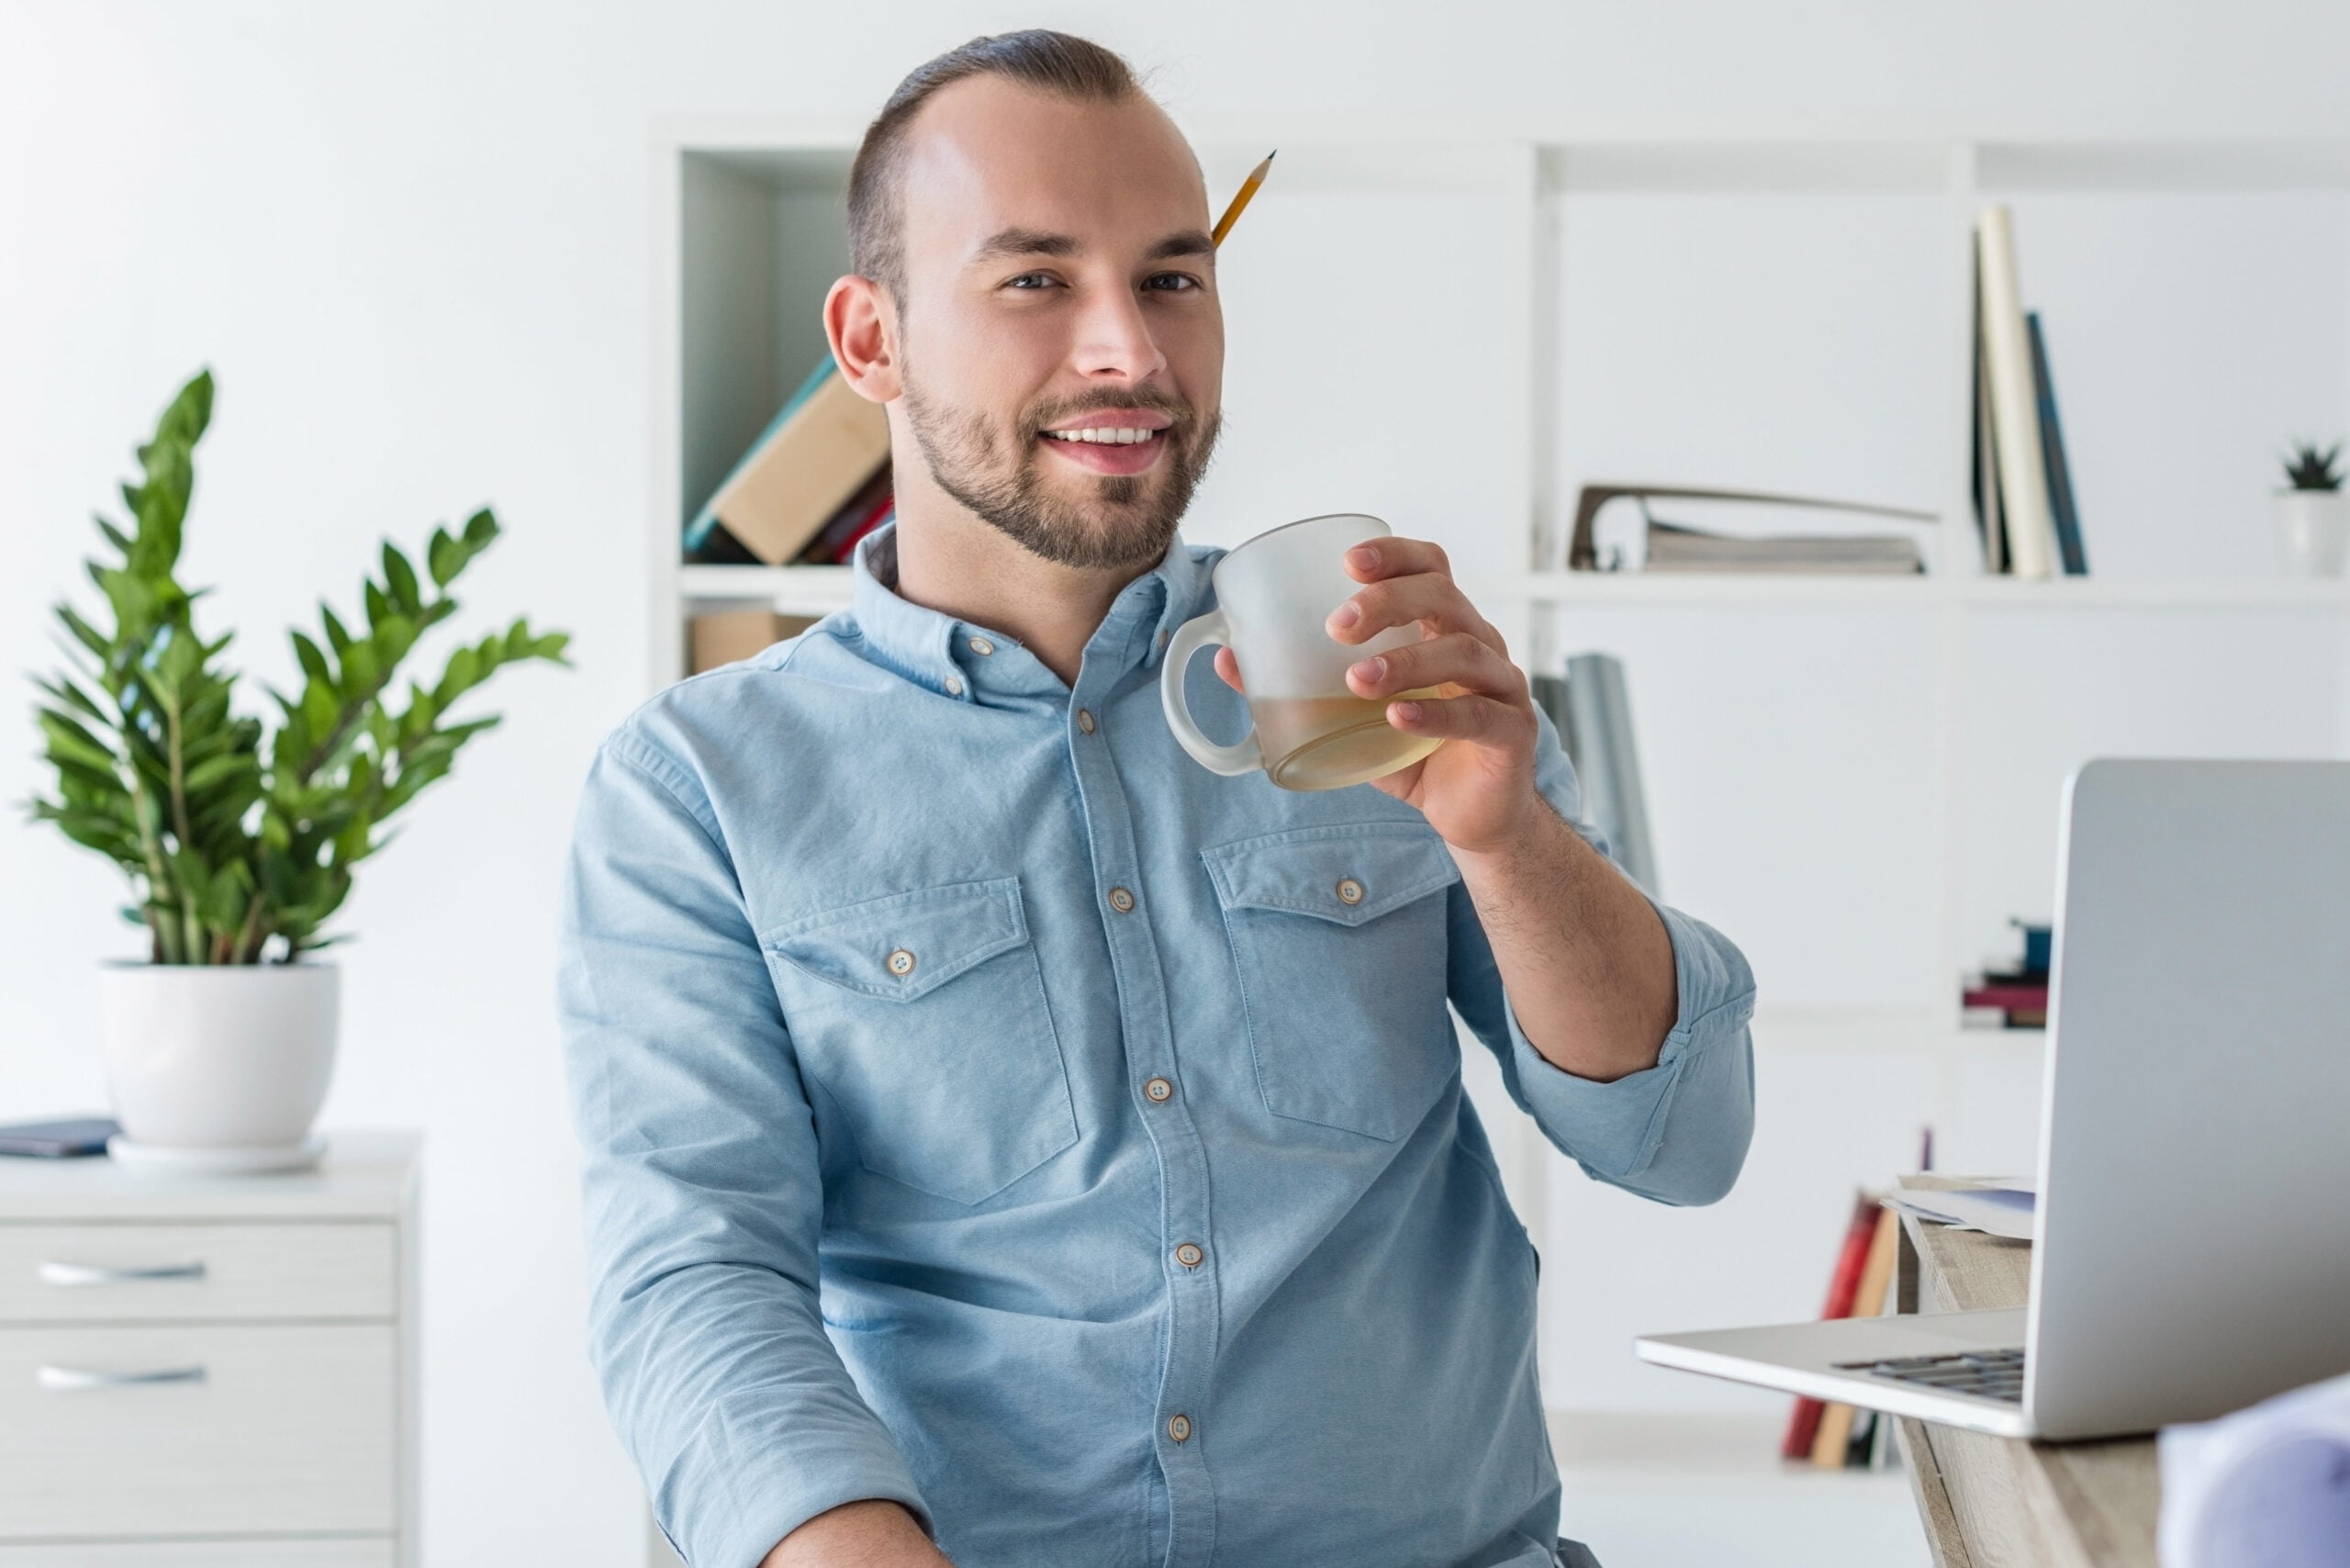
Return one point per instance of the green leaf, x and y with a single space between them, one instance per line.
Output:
444 558
400 577
481 529
89 636
313 662
337 638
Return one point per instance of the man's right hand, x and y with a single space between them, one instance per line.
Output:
870 1534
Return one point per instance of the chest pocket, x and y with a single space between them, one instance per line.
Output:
1340 937
922 1015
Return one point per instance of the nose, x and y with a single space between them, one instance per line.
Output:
1114 341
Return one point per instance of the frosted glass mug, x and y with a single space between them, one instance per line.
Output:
1307 731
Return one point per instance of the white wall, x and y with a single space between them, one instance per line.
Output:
411 243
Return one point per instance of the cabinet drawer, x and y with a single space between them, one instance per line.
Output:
347 1553
276 1429
107 1273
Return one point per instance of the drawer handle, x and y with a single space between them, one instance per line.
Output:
77 1379
68 1274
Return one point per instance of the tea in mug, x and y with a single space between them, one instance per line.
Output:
1329 743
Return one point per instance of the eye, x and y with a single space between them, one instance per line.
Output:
1171 283
1032 281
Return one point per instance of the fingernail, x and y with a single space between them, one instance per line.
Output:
1345 615
1408 711
1369 669
1364 555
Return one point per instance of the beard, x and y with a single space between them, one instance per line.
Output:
1123 521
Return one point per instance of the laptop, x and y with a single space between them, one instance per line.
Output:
2192 1254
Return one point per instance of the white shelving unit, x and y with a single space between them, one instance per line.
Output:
1456 323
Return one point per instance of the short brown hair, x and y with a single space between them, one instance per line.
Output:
1058 64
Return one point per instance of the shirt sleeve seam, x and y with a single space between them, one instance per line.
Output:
657 769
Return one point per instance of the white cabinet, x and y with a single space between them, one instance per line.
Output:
202 1372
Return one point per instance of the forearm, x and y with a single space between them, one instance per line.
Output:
1587 964
870 1534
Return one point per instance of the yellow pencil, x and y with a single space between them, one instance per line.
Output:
1240 201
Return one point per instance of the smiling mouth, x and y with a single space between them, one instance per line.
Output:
1105 436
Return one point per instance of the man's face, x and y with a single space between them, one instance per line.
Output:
1059 333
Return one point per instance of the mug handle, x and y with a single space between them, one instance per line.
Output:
1201 632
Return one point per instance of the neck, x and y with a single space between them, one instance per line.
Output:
953 562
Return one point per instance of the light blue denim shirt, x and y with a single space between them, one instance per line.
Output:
987 1108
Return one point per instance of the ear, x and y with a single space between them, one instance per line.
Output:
862 326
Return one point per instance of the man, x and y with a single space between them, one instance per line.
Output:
1007 1141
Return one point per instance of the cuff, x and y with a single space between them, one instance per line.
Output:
1613 1129
774 1475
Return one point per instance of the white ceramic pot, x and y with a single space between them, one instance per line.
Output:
2312 529
224 1057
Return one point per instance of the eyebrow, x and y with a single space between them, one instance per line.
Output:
1007 243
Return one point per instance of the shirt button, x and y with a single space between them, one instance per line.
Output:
1122 900
1159 1091
901 963
1085 720
1190 1255
1349 890
954 687
981 646
1179 1427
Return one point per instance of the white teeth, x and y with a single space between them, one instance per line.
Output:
1105 436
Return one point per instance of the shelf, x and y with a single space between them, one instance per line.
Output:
2332 596
803 589
792 590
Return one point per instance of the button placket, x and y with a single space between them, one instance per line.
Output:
1137 973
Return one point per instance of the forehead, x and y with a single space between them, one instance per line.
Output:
987 154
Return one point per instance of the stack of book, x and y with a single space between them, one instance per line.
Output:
810 489
2024 509
2015 997
1835 1436
1663 528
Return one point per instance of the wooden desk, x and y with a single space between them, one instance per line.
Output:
2001 1502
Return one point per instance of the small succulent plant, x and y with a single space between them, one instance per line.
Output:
2309 466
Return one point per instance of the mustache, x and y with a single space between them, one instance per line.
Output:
1043 417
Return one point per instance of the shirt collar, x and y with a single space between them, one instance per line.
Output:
936 651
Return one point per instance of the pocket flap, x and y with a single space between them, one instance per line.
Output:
1347 875
905 944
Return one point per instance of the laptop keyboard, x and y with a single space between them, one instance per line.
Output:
1991 1374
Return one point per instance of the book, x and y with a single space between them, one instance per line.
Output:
1592 710
1844 1286
75 1137
729 636
1988 523
2061 511
823 445
1673 547
2015 411
1832 1445
856 516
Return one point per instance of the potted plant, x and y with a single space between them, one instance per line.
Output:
2312 511
240 835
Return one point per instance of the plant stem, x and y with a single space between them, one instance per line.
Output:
251 936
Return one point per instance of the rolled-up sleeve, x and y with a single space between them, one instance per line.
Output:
702 1194
1677 1132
